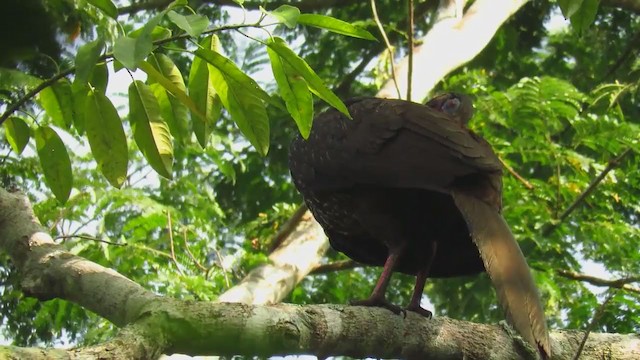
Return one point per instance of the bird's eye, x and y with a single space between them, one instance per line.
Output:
451 106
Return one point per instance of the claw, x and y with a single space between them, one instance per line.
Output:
380 302
420 311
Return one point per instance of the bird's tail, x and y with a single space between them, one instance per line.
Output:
507 269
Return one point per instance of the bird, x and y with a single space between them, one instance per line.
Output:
411 188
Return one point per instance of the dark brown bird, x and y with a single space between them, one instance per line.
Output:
409 187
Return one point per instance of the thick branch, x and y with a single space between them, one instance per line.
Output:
48 272
297 255
451 42
201 328
164 325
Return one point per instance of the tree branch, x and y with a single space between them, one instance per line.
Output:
46 83
303 5
451 43
622 283
613 163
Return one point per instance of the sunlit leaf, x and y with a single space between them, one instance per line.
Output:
241 96
203 94
175 113
287 14
55 162
569 7
17 133
246 110
295 92
12 80
99 78
106 137
232 72
334 25
57 102
106 6
163 71
316 84
150 131
585 15
130 51
193 24
158 33
86 59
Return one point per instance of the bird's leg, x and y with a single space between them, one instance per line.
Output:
421 279
377 297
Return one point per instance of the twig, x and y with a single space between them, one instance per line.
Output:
595 318
626 55
224 270
410 45
374 11
193 258
622 283
85 237
46 83
524 181
610 166
173 253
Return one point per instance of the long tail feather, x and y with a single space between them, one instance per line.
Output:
507 269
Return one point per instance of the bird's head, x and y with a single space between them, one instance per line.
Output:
456 105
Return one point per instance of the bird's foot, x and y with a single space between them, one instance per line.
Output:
380 302
419 310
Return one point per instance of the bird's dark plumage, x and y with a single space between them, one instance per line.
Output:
409 187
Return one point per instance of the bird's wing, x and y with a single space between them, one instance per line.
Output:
507 269
395 143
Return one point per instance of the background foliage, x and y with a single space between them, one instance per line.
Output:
560 106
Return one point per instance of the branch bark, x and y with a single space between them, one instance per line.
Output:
451 42
155 325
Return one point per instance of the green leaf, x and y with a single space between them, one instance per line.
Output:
168 87
165 73
225 167
55 162
232 72
569 7
150 131
106 6
585 16
316 84
295 92
175 113
204 95
12 80
130 51
99 78
178 3
246 109
106 137
57 102
241 96
17 133
287 14
158 33
86 59
335 25
193 24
